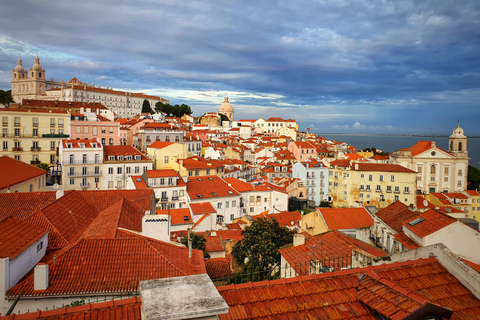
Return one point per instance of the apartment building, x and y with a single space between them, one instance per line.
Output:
315 177
92 126
31 135
158 131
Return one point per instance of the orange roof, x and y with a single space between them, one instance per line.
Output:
17 172
340 295
345 218
161 173
178 216
128 261
57 104
22 205
423 203
395 214
431 221
219 267
406 241
87 143
384 167
208 187
122 151
16 236
214 243
332 249
202 208
160 144
139 183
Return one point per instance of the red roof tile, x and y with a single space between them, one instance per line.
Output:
18 172
432 222
160 144
161 173
406 241
395 214
16 236
219 267
333 249
208 187
178 216
122 151
383 167
85 268
420 147
214 244
345 218
22 205
202 208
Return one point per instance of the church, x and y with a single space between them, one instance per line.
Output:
32 84
437 170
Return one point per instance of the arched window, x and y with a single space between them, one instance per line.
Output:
459 146
432 169
451 145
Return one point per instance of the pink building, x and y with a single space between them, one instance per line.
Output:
93 126
303 150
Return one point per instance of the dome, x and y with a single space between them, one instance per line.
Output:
19 66
458 132
36 65
226 107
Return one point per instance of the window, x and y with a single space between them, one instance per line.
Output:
379 188
234 203
227 204
72 160
362 176
35 122
406 190
381 177
40 246
219 205
103 129
60 123
72 181
392 178
432 169
52 122
419 169
397 189
137 169
17 133
119 170
5 121
144 169
165 159
4 132
110 141
370 177
5 145
85 129
16 121
259 199
460 173
111 129
84 171
445 170
110 170
127 169
459 183
97 170
389 189
170 181
84 158
368 187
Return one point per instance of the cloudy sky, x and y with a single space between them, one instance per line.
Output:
336 66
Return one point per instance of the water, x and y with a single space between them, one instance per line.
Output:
390 143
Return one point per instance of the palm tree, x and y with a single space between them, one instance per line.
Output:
45 167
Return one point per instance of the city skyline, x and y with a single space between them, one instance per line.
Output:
334 66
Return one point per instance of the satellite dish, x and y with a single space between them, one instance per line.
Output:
425 203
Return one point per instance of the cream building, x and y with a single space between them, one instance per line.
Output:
370 184
32 84
438 170
32 135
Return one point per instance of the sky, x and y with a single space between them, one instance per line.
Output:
335 66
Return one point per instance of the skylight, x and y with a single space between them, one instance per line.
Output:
416 221
230 192
138 179
214 194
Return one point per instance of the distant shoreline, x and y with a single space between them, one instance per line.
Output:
391 135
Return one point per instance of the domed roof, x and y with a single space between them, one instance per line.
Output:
458 132
19 66
226 107
36 65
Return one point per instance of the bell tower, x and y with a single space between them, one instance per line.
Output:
19 78
457 143
37 78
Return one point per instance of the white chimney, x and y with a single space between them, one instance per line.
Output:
156 226
40 277
298 239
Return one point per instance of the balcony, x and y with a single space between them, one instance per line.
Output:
35 162
5 124
84 174
52 125
85 185
174 198
35 149
35 125
17 149
164 199
55 135
17 124
53 148
69 162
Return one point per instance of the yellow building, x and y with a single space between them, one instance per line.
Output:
165 154
32 135
370 184
474 196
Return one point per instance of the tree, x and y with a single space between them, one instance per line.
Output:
45 167
6 97
260 244
325 204
473 178
198 242
159 107
146 108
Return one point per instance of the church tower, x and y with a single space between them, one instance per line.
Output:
458 143
29 84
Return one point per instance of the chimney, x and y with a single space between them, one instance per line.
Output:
298 239
40 277
59 194
213 233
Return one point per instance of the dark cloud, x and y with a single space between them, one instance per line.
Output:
353 66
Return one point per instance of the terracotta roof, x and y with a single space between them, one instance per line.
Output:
421 201
126 309
128 261
86 143
122 151
383 167
345 218
406 241
161 173
333 249
139 183
201 163
22 205
284 218
18 172
202 208
48 105
219 267
178 216
473 265
235 235
340 163
432 222
208 187
16 236
214 244
395 214
160 144
420 147
339 295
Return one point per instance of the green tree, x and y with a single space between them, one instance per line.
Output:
325 204
159 107
146 108
45 167
6 97
473 178
260 244
185 109
198 242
